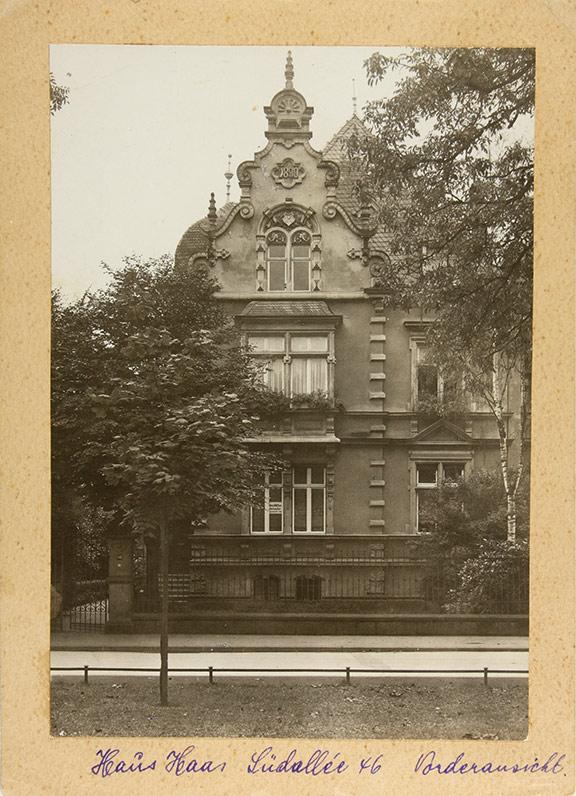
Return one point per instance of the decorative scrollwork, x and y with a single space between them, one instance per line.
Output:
301 238
221 254
244 175
377 264
288 218
330 211
354 254
332 173
276 237
246 210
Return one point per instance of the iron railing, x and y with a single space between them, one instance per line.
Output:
347 671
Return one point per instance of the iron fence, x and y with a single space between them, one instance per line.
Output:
90 616
399 586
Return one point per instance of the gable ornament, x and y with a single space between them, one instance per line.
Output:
288 173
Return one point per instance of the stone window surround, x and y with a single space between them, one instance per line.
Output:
300 331
439 454
327 462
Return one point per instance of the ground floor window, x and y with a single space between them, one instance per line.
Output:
428 476
309 588
302 506
309 499
266 587
267 516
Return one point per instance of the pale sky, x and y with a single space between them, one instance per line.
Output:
145 138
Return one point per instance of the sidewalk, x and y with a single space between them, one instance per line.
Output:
110 642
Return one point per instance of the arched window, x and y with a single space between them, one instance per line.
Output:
288 260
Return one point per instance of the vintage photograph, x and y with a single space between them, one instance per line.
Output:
291 377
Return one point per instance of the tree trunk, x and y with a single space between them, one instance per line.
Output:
511 518
164 611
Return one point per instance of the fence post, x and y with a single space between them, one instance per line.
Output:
210 675
485 675
347 675
85 674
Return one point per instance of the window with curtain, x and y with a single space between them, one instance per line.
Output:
288 260
295 364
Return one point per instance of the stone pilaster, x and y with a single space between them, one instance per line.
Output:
377 397
120 582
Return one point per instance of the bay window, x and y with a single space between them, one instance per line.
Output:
295 364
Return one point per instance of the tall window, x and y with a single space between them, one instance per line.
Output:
428 476
429 384
267 516
309 499
288 260
293 363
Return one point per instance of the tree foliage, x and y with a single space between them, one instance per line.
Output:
153 400
59 95
479 569
450 169
495 581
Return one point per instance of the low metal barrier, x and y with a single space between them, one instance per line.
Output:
346 671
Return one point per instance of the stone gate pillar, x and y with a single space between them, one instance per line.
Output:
120 583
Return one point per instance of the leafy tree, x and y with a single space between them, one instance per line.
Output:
448 167
467 523
59 95
76 366
171 414
495 580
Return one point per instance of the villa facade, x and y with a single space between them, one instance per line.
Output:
335 533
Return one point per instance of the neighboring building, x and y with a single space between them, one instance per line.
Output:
334 533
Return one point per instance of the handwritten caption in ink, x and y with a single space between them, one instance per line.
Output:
319 763
111 761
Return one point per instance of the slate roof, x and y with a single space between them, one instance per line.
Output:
337 150
269 309
195 239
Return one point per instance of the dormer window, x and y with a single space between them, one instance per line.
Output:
288 260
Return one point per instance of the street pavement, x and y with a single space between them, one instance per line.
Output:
418 660
93 641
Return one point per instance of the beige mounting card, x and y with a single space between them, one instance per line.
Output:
33 762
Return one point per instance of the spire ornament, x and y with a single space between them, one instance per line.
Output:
354 96
289 71
212 209
288 113
228 176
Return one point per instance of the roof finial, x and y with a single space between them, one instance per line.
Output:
228 175
212 209
354 95
289 71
